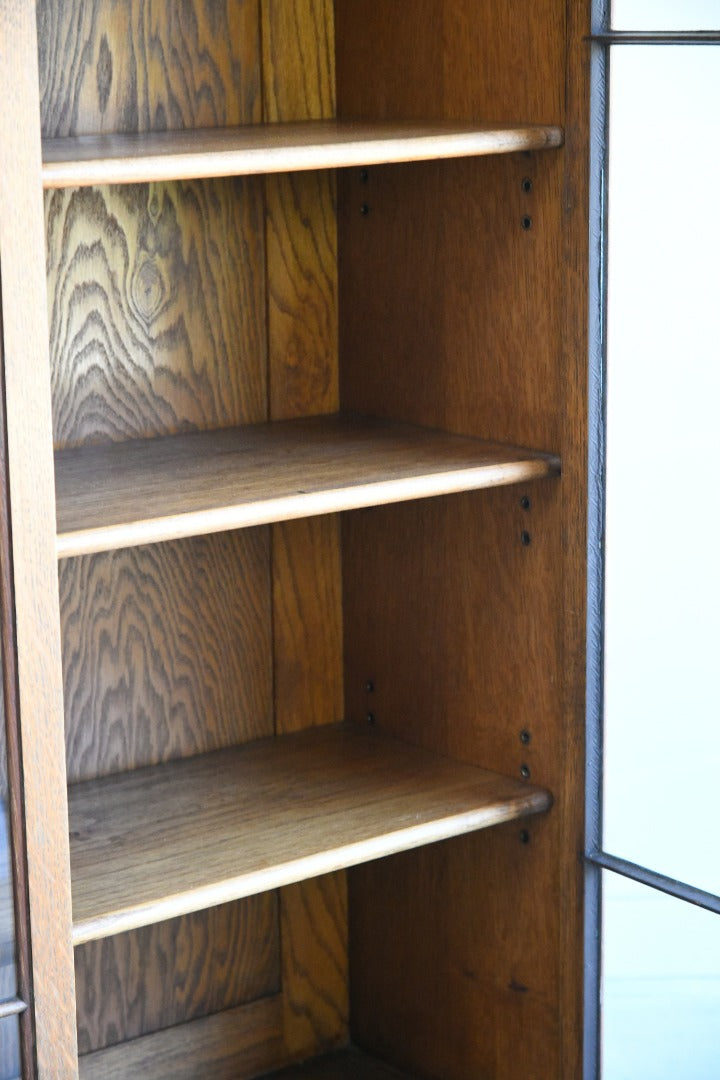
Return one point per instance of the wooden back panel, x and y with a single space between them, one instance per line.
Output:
182 306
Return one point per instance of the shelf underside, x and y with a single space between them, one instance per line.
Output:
149 490
281 147
163 841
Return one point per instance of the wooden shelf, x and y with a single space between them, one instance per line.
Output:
149 490
163 841
266 148
344 1065
228 1044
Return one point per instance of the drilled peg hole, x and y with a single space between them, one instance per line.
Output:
364 209
524 836
525 502
526 222
371 718
525 538
525 737
525 772
364 176
369 686
527 184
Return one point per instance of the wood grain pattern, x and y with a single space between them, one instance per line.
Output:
186 485
307 623
445 986
301 241
163 156
456 62
131 65
472 993
451 616
457 335
157 304
314 928
463 328
454 618
298 49
301 251
157 309
177 971
301 230
345 1065
277 811
166 651
454 334
233 1045
27 463
576 201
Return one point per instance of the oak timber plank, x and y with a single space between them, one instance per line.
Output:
345 1065
456 62
149 490
177 971
130 66
315 975
576 332
241 1042
27 462
453 617
157 309
158 842
302 313
166 651
298 75
87 160
307 622
463 329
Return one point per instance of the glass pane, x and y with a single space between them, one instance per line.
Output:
661 986
662 711
9 1048
8 982
665 14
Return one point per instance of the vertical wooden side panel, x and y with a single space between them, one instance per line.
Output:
495 62
454 620
298 80
299 83
314 928
32 509
576 203
307 623
470 636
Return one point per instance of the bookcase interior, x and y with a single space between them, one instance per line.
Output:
363 634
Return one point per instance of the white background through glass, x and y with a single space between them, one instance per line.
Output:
662 646
661 987
665 14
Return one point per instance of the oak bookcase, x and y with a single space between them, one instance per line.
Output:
293 534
